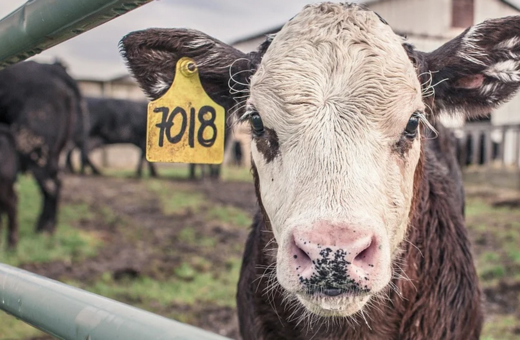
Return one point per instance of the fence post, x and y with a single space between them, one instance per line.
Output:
38 25
516 157
502 147
475 147
70 313
488 146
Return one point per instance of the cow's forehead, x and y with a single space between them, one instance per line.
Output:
339 55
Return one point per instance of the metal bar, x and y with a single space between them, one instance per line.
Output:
40 24
69 313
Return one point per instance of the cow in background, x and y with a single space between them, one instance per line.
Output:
8 171
40 103
115 121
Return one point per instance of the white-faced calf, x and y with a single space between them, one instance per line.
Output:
360 233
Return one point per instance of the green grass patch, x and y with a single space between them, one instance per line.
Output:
500 327
189 236
230 215
237 174
66 244
173 200
181 172
191 284
173 172
13 329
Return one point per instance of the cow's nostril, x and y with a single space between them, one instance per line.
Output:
364 254
361 255
302 256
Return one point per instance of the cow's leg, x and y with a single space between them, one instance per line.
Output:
12 231
86 161
68 161
86 148
203 168
192 171
153 171
1 213
214 171
139 170
50 186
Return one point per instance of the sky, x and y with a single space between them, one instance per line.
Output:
95 54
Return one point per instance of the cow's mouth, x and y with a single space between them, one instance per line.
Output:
336 291
333 301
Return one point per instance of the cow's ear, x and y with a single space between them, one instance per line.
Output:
152 56
476 71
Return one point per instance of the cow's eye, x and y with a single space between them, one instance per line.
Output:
256 124
412 126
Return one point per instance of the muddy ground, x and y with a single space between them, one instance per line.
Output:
141 240
149 252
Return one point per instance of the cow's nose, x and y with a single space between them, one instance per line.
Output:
332 262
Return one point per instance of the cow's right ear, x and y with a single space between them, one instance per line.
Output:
152 56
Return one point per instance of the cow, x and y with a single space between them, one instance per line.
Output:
40 103
114 121
360 231
8 172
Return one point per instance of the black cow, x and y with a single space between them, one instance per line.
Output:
114 121
41 103
8 170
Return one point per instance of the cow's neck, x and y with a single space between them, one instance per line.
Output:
436 297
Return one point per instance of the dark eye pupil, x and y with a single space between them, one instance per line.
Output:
411 127
257 124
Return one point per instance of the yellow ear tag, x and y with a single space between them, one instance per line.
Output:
185 125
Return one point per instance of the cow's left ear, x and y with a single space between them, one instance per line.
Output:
152 56
478 70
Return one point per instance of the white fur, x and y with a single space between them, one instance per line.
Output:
197 43
470 49
338 90
506 71
508 44
160 86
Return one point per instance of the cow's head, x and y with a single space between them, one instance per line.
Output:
338 106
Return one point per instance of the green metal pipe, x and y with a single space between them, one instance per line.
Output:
69 313
40 24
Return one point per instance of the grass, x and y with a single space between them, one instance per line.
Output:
496 236
230 215
180 172
190 285
500 328
173 200
66 244
189 236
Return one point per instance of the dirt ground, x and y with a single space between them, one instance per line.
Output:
149 244
154 236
